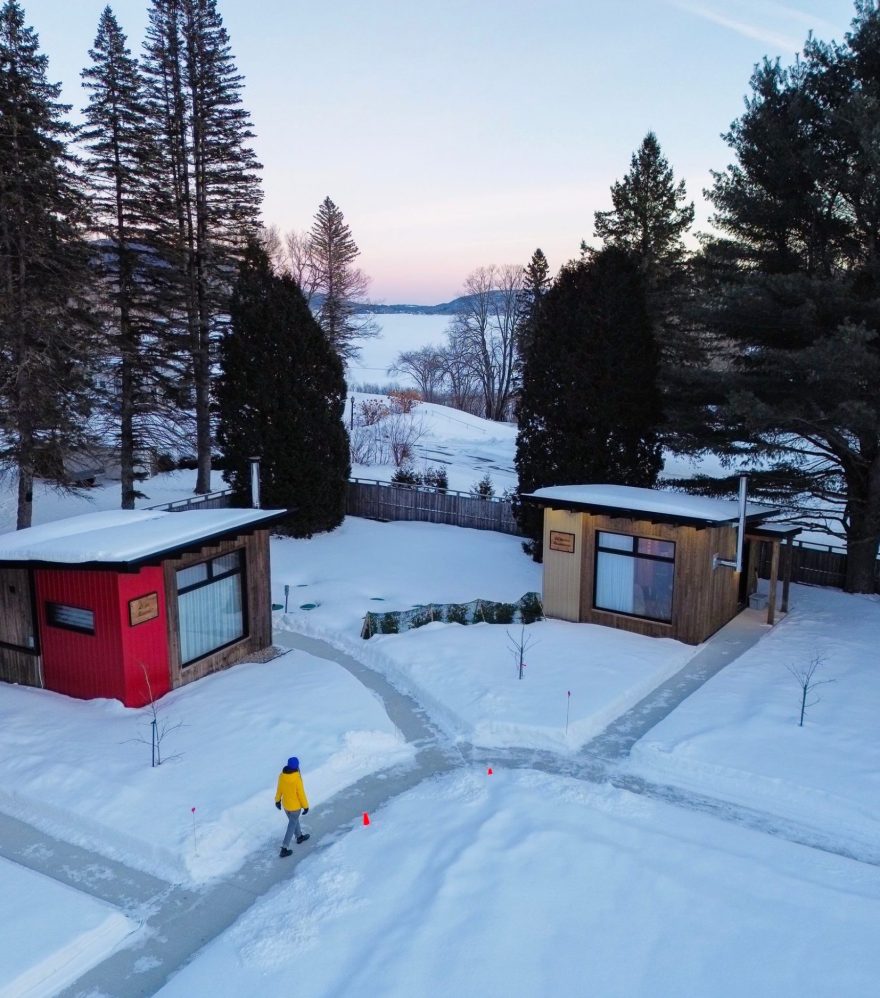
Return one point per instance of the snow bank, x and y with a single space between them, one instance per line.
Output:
523 884
81 769
738 736
52 934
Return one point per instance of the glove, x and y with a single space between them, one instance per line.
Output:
305 810
278 804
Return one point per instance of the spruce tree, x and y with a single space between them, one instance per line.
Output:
589 405
281 395
337 283
535 284
47 332
203 178
650 214
127 261
793 293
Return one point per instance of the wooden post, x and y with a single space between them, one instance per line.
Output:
774 579
786 573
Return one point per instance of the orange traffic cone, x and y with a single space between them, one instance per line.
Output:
366 818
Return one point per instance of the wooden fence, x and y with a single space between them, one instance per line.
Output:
377 500
814 565
210 500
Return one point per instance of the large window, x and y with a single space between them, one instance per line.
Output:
210 608
634 575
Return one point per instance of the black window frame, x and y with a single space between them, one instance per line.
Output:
211 578
638 556
51 605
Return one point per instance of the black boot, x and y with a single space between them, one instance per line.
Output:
286 852
302 839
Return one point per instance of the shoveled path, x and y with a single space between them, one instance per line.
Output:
178 921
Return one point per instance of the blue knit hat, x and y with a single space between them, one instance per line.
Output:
293 762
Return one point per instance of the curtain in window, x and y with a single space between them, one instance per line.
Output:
615 582
210 617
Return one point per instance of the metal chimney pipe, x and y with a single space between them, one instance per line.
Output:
741 533
255 482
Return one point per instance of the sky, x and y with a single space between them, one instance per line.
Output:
455 134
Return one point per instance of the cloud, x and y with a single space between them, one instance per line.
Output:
777 25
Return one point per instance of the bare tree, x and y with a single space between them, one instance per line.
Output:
425 367
804 674
486 328
460 385
519 647
300 263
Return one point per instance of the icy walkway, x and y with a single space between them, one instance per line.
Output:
177 922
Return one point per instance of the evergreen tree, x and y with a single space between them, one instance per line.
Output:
536 282
589 405
795 294
128 262
335 279
46 330
202 177
281 395
650 214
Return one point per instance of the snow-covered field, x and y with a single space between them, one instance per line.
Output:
519 883
40 955
467 677
81 770
522 884
397 333
738 737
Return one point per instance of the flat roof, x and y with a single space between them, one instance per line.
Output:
127 538
647 504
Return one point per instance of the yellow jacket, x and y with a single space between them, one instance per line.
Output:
290 790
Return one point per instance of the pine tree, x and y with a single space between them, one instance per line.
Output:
202 177
536 283
650 214
793 295
281 395
128 260
589 405
336 281
47 333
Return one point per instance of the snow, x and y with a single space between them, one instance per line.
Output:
524 884
738 737
123 535
40 954
627 497
81 770
52 504
397 332
467 676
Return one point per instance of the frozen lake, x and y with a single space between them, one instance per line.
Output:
398 333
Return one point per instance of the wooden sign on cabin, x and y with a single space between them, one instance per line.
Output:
143 608
561 541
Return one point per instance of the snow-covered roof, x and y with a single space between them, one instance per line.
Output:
126 536
626 500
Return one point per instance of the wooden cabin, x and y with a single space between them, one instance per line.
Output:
650 561
129 604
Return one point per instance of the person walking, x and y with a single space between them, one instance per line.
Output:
291 796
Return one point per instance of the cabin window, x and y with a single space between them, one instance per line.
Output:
634 575
70 618
210 606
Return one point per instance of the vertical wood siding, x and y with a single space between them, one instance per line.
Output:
144 646
563 572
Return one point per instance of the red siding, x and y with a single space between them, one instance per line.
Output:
111 662
81 665
144 646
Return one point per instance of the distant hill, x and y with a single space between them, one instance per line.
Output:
445 308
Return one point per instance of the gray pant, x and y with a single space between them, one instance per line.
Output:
293 829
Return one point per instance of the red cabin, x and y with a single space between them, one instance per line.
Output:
129 604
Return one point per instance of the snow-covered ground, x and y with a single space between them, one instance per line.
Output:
51 933
467 677
738 737
522 884
397 332
81 770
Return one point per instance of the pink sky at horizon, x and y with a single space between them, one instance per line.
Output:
455 135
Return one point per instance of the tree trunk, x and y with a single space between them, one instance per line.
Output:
863 532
